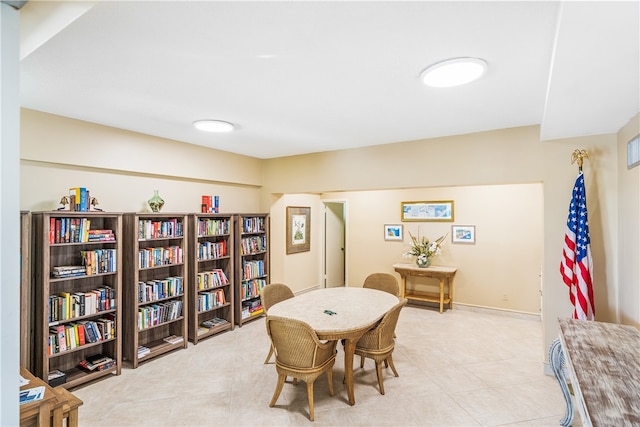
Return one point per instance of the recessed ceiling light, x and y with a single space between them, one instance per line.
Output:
454 72
214 125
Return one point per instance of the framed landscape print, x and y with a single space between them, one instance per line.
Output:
393 232
463 234
441 210
298 226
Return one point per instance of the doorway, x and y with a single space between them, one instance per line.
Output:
334 244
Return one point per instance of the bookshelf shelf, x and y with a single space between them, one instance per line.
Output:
155 264
65 334
211 273
252 264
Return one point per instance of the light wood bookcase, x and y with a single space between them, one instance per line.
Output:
252 265
48 254
211 247
155 252
27 300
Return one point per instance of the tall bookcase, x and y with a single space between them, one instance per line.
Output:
211 275
155 285
78 282
27 299
252 265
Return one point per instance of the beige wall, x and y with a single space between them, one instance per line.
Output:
509 156
629 233
507 256
121 169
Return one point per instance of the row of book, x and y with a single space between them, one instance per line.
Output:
157 314
211 299
155 257
79 199
251 289
72 335
210 204
253 245
253 225
154 290
100 261
212 279
251 308
154 229
213 226
212 250
252 269
98 362
77 230
66 305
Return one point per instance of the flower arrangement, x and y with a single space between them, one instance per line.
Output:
424 249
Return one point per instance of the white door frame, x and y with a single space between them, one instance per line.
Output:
345 206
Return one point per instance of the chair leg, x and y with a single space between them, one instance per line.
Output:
276 394
393 368
310 397
379 374
330 379
269 355
361 361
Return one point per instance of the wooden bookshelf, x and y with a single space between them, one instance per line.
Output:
27 300
101 282
156 284
211 275
252 265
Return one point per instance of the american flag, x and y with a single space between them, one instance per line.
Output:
576 265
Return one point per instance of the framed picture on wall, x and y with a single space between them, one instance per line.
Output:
463 234
298 229
393 232
441 210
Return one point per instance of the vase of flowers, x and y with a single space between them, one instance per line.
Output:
424 249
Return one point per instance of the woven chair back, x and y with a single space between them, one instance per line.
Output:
274 293
383 282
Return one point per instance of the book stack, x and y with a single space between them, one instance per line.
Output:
79 199
100 236
56 378
210 204
98 362
62 271
143 351
216 321
173 339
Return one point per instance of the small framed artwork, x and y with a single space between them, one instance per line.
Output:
463 234
393 232
441 210
298 226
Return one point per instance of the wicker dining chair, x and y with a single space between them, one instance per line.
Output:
378 343
383 282
271 294
300 354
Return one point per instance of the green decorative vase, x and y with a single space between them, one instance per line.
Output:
156 203
423 262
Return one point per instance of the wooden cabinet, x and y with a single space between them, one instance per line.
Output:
211 275
155 289
252 264
78 283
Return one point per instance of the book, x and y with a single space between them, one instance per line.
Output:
31 395
98 362
173 339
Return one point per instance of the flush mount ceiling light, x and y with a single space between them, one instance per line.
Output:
454 72
214 126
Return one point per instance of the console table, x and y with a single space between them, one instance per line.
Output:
443 274
603 362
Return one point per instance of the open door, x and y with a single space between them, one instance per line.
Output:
334 247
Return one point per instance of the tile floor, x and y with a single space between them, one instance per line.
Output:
459 368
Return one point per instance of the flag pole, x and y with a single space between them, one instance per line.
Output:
579 156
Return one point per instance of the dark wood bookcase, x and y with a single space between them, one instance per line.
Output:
155 306
101 282
252 265
211 275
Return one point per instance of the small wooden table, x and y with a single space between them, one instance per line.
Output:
40 412
604 367
356 311
443 274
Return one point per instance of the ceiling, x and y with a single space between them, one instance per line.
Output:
300 77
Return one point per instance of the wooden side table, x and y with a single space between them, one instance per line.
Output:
443 274
39 413
69 408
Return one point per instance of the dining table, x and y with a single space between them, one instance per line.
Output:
340 313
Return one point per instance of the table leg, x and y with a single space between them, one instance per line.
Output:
450 284
403 280
556 360
441 295
349 351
